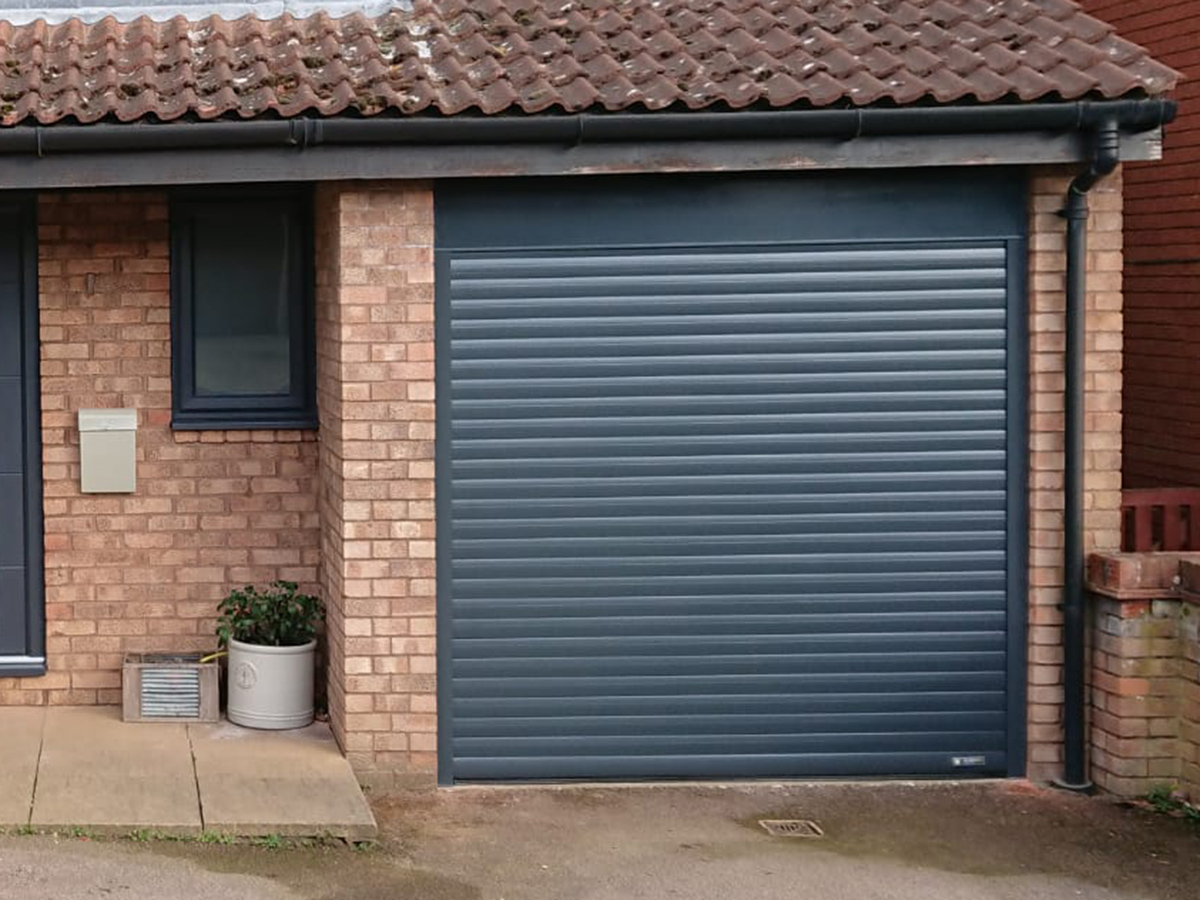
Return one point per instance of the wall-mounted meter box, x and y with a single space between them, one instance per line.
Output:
108 451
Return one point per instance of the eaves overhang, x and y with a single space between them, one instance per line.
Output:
311 149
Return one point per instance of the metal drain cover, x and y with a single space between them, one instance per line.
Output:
792 828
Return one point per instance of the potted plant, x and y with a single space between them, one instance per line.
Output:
271 639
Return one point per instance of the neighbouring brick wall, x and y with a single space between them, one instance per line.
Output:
1162 250
1145 722
375 375
212 509
1047 298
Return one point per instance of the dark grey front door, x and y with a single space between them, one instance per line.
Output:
730 477
21 628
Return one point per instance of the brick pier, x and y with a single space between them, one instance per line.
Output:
1145 716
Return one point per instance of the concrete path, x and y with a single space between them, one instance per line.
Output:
84 767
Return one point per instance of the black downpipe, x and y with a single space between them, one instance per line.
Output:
1106 155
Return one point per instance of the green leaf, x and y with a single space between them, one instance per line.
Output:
278 616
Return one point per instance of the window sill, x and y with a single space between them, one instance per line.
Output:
227 422
22 666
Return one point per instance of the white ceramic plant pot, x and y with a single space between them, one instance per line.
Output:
271 687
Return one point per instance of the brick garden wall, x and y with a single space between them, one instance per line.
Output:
375 379
212 509
1047 286
1145 698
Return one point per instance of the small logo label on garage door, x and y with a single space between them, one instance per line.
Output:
968 762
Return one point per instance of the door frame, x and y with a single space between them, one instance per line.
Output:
1017 538
33 662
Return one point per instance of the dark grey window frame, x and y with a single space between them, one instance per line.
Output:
193 412
33 664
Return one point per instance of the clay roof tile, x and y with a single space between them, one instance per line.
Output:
532 56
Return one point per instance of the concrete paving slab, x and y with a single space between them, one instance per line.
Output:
293 783
20 744
113 776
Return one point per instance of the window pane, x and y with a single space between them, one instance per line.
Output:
242 303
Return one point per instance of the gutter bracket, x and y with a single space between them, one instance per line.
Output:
305 132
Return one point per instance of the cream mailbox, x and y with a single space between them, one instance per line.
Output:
108 451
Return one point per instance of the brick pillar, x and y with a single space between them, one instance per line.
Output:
1146 672
1135 694
1189 699
1102 485
376 402
1188 749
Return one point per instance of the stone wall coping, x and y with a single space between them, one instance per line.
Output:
1136 578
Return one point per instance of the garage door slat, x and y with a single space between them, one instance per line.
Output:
679 327
797 623
558 280
504 408
693 545
813 385
729 659
845 764
710 304
743 604
795 524
658 346
794 584
630 431
734 685
652 745
717 464
834 704
777 441
700 365
773 723
748 260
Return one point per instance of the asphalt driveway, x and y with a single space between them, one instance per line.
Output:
895 841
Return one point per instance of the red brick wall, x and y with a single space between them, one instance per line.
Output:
1162 255
212 509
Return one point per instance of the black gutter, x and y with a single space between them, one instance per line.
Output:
1129 115
1106 156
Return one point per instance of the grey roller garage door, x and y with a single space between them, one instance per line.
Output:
729 478
21 635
